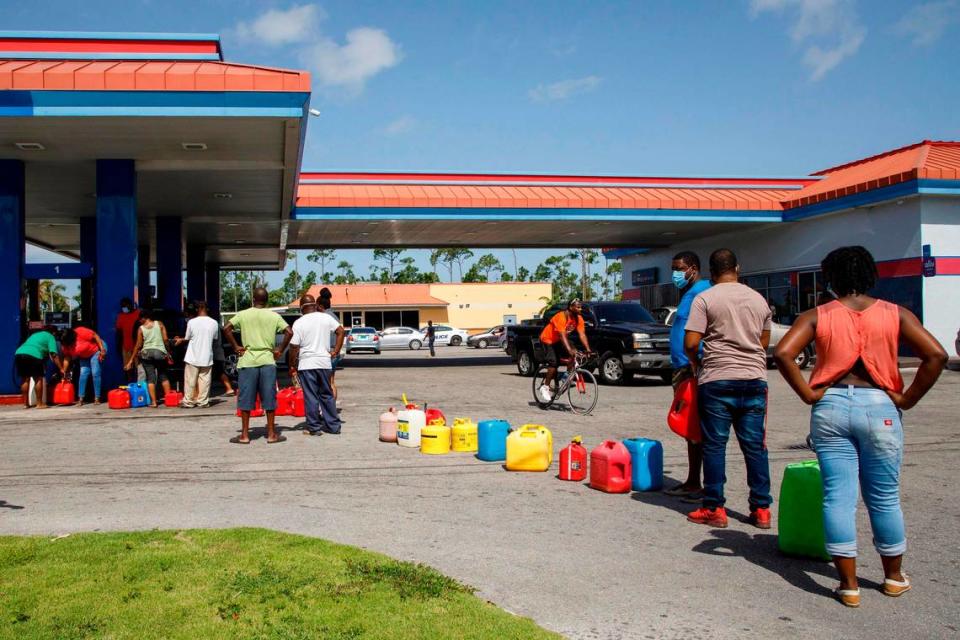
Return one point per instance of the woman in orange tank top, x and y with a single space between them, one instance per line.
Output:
858 398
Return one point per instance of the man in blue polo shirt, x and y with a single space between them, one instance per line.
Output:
686 277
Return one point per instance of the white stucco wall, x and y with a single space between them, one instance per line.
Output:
941 294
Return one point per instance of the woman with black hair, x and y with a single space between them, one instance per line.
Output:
858 398
151 348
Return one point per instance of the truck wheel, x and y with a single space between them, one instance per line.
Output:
455 341
525 363
803 359
611 369
667 376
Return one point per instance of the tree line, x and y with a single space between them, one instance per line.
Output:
578 273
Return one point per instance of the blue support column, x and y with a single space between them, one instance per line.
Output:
213 290
115 270
143 276
88 254
12 256
169 264
196 272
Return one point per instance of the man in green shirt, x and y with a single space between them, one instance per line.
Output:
29 364
257 367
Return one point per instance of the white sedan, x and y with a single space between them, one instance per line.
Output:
448 335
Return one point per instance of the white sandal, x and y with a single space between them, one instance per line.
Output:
896 588
848 597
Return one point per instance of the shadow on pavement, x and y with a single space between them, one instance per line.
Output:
6 505
761 550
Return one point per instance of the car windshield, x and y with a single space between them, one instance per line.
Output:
623 313
362 330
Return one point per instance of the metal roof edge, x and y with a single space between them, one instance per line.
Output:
109 35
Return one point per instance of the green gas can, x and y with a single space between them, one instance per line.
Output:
800 516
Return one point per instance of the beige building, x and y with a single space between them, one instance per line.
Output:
473 307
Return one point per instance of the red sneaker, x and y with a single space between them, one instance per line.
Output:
710 517
760 518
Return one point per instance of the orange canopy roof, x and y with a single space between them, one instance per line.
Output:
378 295
936 160
140 75
548 196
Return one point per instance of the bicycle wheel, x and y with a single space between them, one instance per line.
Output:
537 382
583 392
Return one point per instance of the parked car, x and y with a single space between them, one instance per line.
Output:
624 334
447 335
492 337
777 331
402 338
362 339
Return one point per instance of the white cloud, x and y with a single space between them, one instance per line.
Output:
563 89
276 27
926 23
401 125
366 52
829 30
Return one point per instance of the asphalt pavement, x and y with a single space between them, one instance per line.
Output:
581 562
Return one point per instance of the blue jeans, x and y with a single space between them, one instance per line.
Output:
318 403
858 435
88 366
743 405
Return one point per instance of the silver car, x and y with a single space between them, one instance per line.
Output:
362 339
401 338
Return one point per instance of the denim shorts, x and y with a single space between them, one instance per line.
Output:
254 381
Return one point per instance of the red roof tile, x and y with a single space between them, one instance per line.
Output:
378 295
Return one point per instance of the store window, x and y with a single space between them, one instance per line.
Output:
779 290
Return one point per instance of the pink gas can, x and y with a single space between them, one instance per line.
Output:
388 425
610 467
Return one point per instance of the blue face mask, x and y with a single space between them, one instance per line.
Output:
679 279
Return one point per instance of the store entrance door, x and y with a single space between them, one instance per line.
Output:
809 289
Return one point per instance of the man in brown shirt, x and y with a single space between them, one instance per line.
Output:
733 322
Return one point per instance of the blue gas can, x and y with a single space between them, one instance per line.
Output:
646 460
492 440
139 394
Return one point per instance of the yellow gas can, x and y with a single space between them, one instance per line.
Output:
435 439
529 448
464 435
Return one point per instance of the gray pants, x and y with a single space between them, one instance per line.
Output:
318 402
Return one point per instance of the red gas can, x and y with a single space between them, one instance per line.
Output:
172 398
610 467
435 416
285 401
299 410
683 418
118 399
257 408
573 461
64 393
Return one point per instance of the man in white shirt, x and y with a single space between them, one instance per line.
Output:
202 331
311 361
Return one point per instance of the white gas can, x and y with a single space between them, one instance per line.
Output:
409 424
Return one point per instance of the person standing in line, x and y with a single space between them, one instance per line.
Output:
151 349
30 361
311 361
257 366
202 331
126 328
733 323
687 278
325 304
858 398
431 337
85 346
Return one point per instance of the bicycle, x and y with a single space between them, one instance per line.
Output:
577 382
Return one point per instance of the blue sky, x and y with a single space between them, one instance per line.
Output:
757 87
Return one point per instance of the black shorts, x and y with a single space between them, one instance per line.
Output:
28 366
555 353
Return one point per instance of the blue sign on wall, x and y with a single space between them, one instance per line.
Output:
642 277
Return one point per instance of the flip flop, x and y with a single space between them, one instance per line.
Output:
279 439
230 393
237 440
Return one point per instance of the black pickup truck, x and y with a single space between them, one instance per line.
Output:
624 335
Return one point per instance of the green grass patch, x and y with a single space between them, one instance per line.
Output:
234 583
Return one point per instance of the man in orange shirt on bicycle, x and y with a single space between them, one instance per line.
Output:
557 344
